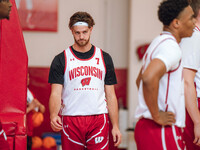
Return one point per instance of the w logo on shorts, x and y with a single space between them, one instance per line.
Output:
85 81
99 139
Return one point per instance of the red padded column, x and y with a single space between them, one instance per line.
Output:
13 74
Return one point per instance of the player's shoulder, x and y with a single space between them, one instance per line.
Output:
106 55
60 54
163 43
164 47
59 58
164 39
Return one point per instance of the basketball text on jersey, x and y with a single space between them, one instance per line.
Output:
85 71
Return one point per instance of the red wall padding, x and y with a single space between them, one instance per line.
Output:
41 89
121 87
13 74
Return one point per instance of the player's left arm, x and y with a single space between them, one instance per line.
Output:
191 101
113 113
139 77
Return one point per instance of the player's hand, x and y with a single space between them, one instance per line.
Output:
197 134
116 136
56 123
165 118
42 108
38 104
33 104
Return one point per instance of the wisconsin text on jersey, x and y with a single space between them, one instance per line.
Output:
85 71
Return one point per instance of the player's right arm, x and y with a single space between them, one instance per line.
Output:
56 78
191 101
151 77
54 106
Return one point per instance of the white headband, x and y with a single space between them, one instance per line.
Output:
81 24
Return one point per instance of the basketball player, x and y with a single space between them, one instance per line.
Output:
82 81
33 105
5 8
161 109
191 73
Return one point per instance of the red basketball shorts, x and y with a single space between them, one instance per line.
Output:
151 136
85 132
188 134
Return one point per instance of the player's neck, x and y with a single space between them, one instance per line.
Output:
82 49
173 32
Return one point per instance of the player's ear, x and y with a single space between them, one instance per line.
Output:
91 28
71 29
175 23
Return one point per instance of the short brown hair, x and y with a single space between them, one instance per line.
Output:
81 16
195 4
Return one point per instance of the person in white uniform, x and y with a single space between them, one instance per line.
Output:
82 81
191 74
161 109
33 105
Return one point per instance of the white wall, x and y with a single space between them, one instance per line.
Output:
144 26
117 31
110 32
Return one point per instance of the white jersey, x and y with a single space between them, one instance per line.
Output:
30 98
191 55
83 92
171 85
